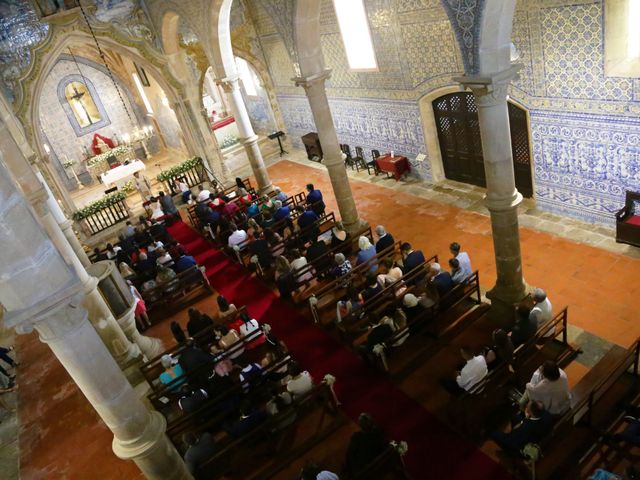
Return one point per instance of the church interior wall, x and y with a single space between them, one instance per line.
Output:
58 130
583 128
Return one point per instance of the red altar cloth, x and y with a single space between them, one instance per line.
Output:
223 123
396 165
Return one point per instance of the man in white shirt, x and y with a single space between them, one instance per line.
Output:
464 262
237 236
549 385
474 370
542 311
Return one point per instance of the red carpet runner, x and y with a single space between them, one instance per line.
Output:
435 452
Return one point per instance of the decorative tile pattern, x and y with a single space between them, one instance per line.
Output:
521 39
465 16
380 125
585 163
336 60
572 37
279 63
423 61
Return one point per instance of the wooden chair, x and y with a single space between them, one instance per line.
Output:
373 165
628 220
358 160
346 149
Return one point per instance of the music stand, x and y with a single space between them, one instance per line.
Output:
277 136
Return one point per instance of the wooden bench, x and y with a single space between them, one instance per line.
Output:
280 446
592 402
175 291
388 465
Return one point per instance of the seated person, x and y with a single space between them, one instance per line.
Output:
548 385
379 333
350 305
282 211
260 248
199 450
365 445
457 275
230 210
440 279
463 261
474 370
250 375
176 250
314 472
531 427
207 215
300 382
249 419
299 262
314 199
226 311
501 351
279 194
126 271
388 272
339 238
192 399
229 337
185 191
274 240
285 277
249 326
178 333
184 263
367 252
237 236
542 309
412 307
631 432
372 288
164 258
112 252
385 240
317 256
98 255
411 259
343 266
253 210
198 323
172 371
192 359
308 223
525 327
167 204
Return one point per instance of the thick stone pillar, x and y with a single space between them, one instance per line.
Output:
139 434
117 294
199 138
65 224
502 197
314 87
248 138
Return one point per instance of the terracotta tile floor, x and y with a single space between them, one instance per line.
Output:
62 437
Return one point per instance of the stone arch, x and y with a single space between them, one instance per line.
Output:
47 57
496 25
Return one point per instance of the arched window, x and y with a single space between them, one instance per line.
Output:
82 105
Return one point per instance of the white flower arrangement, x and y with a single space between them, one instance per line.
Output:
401 447
115 151
329 379
68 163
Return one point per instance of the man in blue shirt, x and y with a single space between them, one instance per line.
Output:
306 219
185 262
282 212
314 199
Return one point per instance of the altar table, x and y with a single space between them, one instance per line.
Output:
114 175
396 165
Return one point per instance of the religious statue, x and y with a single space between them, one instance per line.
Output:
101 144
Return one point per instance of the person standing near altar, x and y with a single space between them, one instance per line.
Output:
143 185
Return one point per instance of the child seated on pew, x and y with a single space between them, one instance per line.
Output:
529 427
501 350
348 306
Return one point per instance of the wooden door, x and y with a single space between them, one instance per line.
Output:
456 117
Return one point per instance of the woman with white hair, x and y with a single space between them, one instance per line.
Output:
343 266
280 195
366 253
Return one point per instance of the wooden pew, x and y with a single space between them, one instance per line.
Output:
442 322
477 410
171 293
152 369
592 401
279 446
326 295
388 465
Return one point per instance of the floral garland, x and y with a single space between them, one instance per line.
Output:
179 169
229 141
95 207
119 150
127 187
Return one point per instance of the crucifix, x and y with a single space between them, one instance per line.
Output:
77 96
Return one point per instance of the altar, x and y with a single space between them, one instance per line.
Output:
117 174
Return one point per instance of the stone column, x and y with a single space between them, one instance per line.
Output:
333 159
199 138
139 434
65 224
248 138
502 198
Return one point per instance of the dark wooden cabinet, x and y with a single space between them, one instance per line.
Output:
311 143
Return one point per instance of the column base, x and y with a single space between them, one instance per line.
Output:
153 453
353 228
150 347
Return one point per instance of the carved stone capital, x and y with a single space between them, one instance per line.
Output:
491 90
229 84
312 80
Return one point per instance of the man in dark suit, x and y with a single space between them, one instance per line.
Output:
411 259
531 428
441 279
525 327
385 240
200 449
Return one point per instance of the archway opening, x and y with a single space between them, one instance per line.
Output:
456 118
